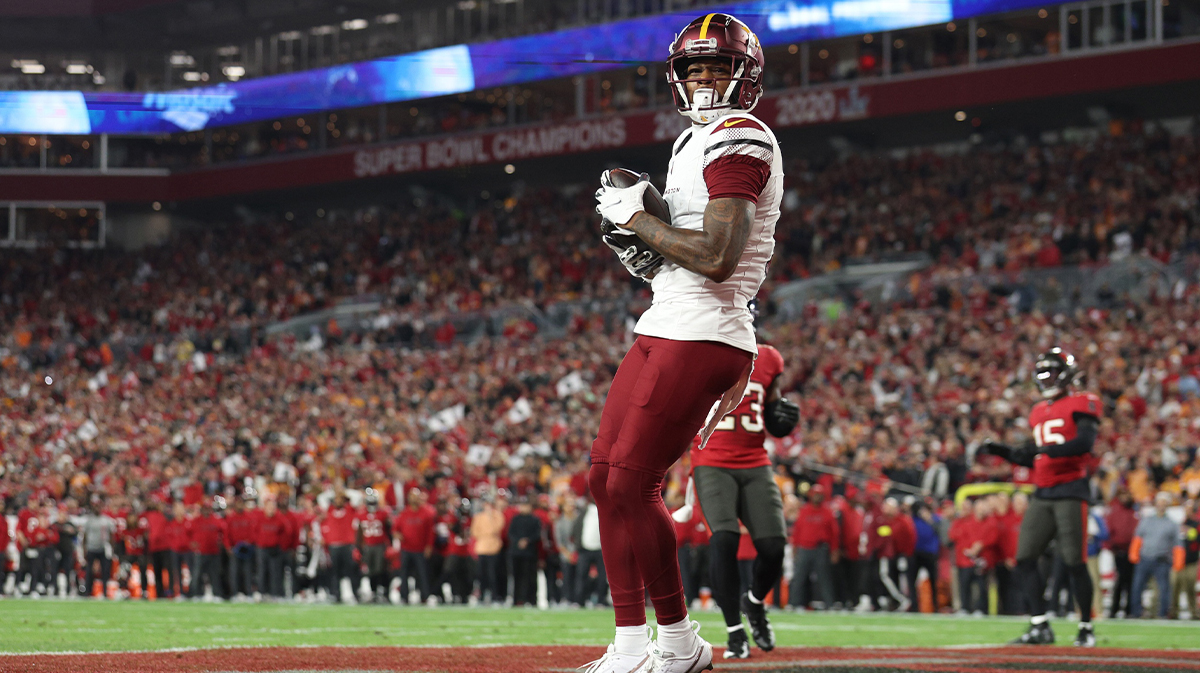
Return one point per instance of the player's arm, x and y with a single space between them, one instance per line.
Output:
1020 455
712 252
1086 429
781 414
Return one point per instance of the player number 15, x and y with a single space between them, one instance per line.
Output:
1044 433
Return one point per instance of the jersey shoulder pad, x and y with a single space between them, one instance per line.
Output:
1086 403
770 360
738 135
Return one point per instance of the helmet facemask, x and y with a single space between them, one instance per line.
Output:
1053 374
705 105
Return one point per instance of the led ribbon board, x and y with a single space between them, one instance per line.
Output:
458 69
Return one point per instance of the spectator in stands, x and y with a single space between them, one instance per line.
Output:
1156 545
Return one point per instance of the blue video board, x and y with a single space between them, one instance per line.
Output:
459 69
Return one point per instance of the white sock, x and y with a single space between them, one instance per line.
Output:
1038 620
632 640
739 627
750 595
677 638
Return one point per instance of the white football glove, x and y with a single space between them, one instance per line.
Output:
619 205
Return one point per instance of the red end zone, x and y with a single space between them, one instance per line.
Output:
558 659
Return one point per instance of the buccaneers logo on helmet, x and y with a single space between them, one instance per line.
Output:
716 36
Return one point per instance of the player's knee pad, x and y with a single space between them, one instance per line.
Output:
770 549
629 490
598 481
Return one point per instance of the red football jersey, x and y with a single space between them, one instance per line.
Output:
374 527
339 526
135 541
456 545
738 440
1053 422
415 528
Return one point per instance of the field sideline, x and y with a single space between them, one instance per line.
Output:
48 626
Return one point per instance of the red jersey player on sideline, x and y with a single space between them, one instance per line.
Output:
695 344
1065 425
734 482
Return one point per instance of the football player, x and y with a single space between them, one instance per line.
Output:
1064 425
373 539
695 344
734 481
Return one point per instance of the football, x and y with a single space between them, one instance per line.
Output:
641 259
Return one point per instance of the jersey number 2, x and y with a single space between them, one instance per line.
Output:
753 421
1044 433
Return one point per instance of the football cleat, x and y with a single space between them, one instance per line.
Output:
614 662
756 613
1038 634
699 658
1086 636
739 645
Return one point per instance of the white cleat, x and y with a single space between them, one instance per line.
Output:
614 662
698 658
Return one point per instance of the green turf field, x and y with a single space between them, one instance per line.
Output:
54 626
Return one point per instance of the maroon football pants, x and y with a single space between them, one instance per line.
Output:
658 401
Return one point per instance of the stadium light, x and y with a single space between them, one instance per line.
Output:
33 69
388 18
78 68
354 24
234 72
182 60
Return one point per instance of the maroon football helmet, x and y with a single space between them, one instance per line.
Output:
724 37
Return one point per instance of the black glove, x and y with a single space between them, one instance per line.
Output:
781 417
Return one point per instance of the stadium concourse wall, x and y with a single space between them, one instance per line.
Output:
964 89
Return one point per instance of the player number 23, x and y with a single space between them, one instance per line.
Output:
753 421
1044 433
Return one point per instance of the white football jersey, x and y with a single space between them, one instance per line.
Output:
687 306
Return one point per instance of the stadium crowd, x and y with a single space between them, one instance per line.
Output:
142 395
